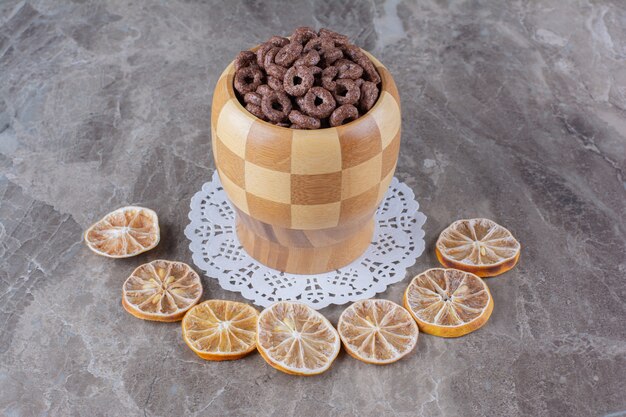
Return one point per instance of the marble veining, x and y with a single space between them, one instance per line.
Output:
515 111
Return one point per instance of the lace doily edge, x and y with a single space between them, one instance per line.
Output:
249 294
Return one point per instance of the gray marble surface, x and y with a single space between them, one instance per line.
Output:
515 111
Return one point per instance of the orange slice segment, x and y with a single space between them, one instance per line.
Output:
219 330
448 302
377 331
125 232
161 291
296 339
479 246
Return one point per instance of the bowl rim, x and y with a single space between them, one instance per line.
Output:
383 80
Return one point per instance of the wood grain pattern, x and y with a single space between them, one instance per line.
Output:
269 149
305 260
305 200
299 237
360 142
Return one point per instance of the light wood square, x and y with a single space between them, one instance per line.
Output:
232 128
318 216
388 118
384 184
269 147
358 179
220 96
236 194
315 152
268 184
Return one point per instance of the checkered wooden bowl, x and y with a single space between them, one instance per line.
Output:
305 199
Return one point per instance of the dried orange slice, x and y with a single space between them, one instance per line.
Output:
125 232
448 302
479 246
296 339
161 291
220 330
377 331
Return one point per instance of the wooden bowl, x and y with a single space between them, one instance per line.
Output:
305 199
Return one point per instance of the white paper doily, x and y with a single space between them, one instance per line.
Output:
397 243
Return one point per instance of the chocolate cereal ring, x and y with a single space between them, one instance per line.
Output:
244 59
328 78
298 80
369 95
271 68
346 92
309 59
338 38
278 41
288 54
264 89
274 41
349 69
247 79
303 34
256 111
317 75
276 106
343 114
318 44
300 102
252 98
276 71
331 55
275 83
360 58
318 102
370 70
261 52
268 58
303 121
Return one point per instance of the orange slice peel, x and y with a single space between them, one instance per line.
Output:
448 302
219 330
161 291
125 232
296 339
377 331
479 246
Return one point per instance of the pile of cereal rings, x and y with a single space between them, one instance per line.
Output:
311 80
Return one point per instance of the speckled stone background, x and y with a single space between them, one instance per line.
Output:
512 110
